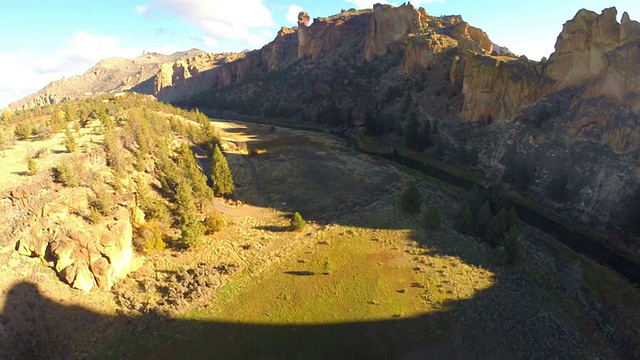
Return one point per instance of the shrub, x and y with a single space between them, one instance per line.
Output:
70 141
149 237
467 156
327 267
214 223
65 175
297 222
23 132
32 166
520 174
430 217
411 200
102 202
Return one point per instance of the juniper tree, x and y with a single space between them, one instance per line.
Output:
221 174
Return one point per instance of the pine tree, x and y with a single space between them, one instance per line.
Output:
297 222
70 141
411 200
191 229
221 174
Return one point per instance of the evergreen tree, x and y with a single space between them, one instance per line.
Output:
483 217
70 141
411 133
411 200
221 174
430 217
557 188
194 175
297 222
191 229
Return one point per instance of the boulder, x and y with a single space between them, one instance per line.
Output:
84 255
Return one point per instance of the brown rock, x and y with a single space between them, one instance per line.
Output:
323 36
303 18
422 51
84 279
497 87
389 28
471 39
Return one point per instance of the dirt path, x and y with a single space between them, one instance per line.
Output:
256 181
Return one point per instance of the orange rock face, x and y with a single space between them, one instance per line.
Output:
325 34
389 27
599 56
496 87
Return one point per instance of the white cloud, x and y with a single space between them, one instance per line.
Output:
31 70
220 18
142 9
366 4
81 51
417 3
210 43
292 14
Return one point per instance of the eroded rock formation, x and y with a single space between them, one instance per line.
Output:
84 255
325 35
497 87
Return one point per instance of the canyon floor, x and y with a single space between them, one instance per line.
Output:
361 280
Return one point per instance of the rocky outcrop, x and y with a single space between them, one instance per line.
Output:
325 35
390 27
183 78
423 39
38 221
108 76
600 58
84 257
498 87
471 39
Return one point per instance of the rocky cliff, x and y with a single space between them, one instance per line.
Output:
600 58
38 219
184 78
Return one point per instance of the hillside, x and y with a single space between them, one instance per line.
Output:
108 76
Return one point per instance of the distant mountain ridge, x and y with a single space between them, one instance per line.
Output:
109 75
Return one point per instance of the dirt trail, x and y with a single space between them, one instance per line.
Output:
256 181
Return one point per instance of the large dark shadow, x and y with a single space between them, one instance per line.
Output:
513 318
36 327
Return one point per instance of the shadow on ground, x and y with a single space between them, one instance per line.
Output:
327 182
463 329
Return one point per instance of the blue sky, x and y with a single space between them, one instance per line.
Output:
45 40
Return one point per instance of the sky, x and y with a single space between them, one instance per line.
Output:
46 40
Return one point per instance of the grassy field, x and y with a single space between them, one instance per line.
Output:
361 281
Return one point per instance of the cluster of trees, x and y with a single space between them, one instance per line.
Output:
154 141
487 218
411 202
